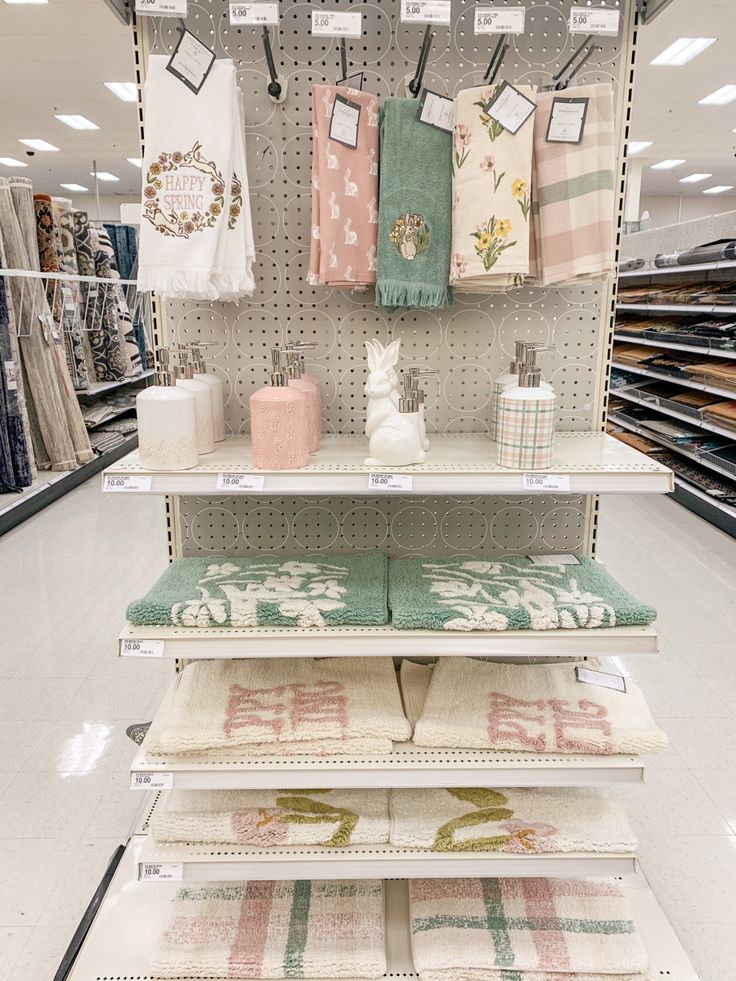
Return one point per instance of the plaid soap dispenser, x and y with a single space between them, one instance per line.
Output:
526 420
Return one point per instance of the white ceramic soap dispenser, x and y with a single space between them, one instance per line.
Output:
202 401
217 392
167 422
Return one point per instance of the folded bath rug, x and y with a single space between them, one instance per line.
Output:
414 214
523 930
333 705
344 193
414 679
302 929
520 821
492 177
292 592
508 594
268 818
538 708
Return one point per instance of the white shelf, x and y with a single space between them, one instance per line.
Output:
694 309
706 267
631 395
711 352
406 766
100 388
211 643
464 464
723 506
132 916
686 382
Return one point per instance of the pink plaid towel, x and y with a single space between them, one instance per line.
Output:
344 194
523 930
573 192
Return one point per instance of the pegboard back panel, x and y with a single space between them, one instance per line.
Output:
427 526
470 342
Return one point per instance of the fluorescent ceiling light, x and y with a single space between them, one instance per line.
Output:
77 122
102 175
636 146
74 187
718 189
12 162
126 91
694 178
727 93
667 164
682 51
136 161
40 145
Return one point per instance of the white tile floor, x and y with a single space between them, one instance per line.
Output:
65 700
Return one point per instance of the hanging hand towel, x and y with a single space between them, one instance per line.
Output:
293 592
270 818
492 174
508 594
523 930
519 821
415 203
333 705
537 708
302 929
344 193
186 180
573 193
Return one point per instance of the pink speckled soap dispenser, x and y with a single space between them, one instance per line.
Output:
278 423
311 394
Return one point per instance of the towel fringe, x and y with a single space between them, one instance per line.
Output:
394 294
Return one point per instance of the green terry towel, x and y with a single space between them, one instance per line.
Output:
508 594
414 210
222 591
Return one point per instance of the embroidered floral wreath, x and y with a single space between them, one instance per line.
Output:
182 224
236 202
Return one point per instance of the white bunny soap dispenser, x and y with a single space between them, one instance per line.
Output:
392 422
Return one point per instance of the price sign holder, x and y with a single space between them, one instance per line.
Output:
256 14
240 481
161 8
128 482
426 11
161 872
594 20
337 23
142 648
490 20
151 781
546 482
390 482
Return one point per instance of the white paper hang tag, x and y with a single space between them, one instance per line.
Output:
11 376
141 648
259 14
191 61
493 21
128 482
390 481
344 122
546 482
337 23
510 108
162 872
437 110
426 11
594 20
567 120
600 678
240 481
563 559
151 781
162 8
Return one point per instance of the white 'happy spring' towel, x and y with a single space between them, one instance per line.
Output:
295 705
187 171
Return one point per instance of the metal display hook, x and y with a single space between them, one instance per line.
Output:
343 59
575 68
499 53
277 86
415 85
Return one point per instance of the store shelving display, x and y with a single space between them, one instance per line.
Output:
133 913
713 352
685 382
554 511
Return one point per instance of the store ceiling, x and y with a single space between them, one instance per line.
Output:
56 57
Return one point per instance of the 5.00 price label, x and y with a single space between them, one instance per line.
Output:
585 20
490 21
425 11
546 482
337 23
266 14
390 481
162 8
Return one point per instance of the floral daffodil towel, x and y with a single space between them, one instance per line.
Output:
508 594
267 591
271 818
520 821
262 707
492 175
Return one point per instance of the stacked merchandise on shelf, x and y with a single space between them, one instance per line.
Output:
694 294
